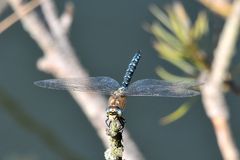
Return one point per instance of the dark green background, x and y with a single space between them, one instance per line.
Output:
104 34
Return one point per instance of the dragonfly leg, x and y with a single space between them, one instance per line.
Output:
108 122
122 122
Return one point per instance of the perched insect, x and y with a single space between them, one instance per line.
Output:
117 92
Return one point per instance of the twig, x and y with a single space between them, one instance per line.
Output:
13 18
30 124
67 16
60 60
213 97
3 5
220 7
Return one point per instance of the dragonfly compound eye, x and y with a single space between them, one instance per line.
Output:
114 111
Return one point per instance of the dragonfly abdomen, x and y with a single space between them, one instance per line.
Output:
130 70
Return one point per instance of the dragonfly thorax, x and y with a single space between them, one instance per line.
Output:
116 103
120 91
117 100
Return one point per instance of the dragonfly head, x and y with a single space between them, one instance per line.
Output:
114 111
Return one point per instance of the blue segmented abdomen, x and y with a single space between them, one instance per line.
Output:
130 70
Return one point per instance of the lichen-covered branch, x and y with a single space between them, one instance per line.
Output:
114 131
212 92
60 60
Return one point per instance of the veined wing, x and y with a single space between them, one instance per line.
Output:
103 85
153 87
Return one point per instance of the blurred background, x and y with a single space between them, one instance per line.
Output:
105 34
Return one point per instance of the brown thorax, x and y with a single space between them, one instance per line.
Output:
117 101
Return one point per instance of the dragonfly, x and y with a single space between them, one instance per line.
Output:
119 92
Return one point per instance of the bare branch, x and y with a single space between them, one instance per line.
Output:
67 16
13 18
213 97
60 61
3 5
220 7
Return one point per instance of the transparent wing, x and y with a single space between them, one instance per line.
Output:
153 87
103 85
